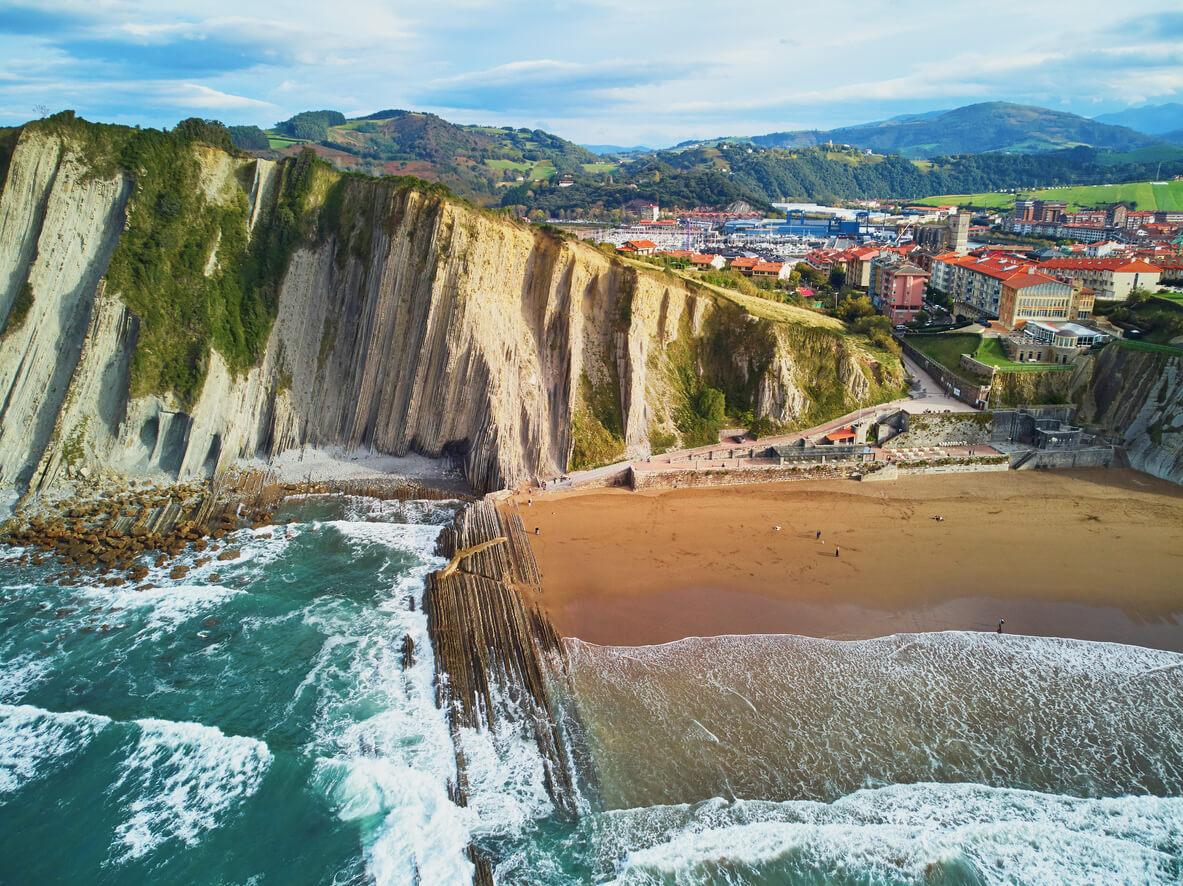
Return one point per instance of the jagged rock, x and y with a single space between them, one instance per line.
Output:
179 571
230 554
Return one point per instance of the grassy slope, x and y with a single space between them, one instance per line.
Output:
947 349
1149 196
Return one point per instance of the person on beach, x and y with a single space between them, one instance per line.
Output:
819 535
836 550
1001 622
535 530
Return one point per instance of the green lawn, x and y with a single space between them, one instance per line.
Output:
947 349
278 142
1136 345
542 170
595 168
1147 196
520 165
989 200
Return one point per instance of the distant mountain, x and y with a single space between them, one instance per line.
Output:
1152 119
974 129
617 149
1175 137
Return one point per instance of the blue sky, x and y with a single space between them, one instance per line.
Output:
595 71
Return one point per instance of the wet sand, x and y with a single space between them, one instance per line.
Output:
1090 554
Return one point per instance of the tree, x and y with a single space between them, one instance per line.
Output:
921 319
711 405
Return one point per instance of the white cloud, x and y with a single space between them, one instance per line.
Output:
194 95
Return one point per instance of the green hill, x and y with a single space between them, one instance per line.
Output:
474 161
974 129
1145 196
533 170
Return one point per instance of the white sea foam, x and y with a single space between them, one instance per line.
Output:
426 511
179 782
911 833
385 754
415 538
35 742
20 674
161 609
811 718
506 779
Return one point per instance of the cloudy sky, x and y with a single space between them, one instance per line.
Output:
596 71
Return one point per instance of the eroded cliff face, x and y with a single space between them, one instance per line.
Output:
1138 394
406 321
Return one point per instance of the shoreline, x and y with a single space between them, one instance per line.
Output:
1091 554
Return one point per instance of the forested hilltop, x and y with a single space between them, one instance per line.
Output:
723 173
536 172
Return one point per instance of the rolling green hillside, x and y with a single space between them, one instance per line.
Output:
1146 196
474 161
536 171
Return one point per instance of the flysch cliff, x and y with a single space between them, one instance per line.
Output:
1139 395
406 321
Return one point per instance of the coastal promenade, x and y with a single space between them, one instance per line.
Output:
926 397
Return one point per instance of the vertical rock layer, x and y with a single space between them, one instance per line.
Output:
407 321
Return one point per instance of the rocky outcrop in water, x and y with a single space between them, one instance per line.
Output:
405 321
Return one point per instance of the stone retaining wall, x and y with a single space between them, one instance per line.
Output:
1093 457
938 429
738 476
953 384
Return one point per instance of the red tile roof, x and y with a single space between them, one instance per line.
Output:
1124 265
641 244
768 267
1022 281
841 434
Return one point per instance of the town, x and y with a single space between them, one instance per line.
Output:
942 269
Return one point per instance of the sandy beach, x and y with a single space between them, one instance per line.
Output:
1091 554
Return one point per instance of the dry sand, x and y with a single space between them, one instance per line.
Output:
1092 554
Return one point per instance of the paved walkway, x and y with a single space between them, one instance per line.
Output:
927 396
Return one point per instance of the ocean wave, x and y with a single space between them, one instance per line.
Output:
160 609
20 674
35 742
385 757
179 781
431 511
921 833
788 717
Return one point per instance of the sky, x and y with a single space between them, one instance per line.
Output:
593 71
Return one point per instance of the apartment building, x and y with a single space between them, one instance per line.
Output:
1110 278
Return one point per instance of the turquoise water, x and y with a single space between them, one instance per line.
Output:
261 729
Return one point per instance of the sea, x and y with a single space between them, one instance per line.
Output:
258 722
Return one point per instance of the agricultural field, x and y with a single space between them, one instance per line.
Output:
542 170
597 168
520 165
990 200
1144 196
278 142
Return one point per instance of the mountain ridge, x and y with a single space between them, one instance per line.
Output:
986 127
1158 120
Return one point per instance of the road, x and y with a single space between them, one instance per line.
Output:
927 396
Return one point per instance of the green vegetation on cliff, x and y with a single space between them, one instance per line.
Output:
184 263
20 309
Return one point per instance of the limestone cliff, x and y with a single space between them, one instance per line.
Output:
1139 395
400 319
